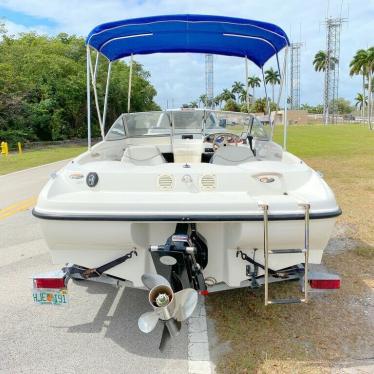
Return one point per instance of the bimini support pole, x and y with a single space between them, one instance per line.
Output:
282 75
88 98
246 84
285 119
129 91
96 99
106 94
96 66
266 95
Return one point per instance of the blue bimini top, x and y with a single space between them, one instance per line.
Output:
258 41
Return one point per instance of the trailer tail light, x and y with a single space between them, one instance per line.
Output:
50 288
49 282
325 284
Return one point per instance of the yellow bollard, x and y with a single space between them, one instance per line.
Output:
19 148
4 148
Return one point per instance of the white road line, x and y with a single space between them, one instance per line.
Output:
198 344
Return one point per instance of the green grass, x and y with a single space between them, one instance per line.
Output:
282 339
28 159
331 140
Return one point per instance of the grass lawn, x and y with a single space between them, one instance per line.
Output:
28 159
332 328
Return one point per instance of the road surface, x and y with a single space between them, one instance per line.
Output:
97 332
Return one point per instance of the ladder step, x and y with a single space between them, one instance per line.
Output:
283 251
286 301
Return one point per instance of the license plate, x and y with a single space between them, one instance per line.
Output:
52 296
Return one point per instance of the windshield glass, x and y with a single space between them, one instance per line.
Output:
186 122
148 123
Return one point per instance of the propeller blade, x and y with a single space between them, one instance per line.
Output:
165 337
185 303
171 330
148 321
153 280
174 327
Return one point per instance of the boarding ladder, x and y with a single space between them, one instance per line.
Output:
267 251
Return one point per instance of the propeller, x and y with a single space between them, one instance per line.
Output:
169 307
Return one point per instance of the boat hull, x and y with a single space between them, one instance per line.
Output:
94 242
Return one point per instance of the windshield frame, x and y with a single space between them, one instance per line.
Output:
248 128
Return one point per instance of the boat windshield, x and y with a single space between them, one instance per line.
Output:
186 121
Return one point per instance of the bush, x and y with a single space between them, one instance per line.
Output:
231 106
12 137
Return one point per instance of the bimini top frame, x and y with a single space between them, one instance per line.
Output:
253 40
258 41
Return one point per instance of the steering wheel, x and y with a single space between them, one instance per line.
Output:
225 138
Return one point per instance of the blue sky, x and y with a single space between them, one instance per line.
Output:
180 78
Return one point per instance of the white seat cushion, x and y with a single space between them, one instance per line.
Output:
232 155
143 155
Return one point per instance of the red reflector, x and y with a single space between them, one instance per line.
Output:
204 292
325 284
49 283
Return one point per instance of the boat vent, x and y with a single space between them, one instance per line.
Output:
165 182
208 182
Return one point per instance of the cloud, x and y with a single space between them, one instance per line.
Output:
16 28
181 77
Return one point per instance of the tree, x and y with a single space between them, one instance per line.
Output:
43 88
363 64
372 85
272 77
227 95
260 106
243 96
231 106
361 101
218 100
237 88
318 109
322 60
343 106
203 99
253 82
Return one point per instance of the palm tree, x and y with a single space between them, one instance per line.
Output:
361 101
321 61
243 96
272 77
204 100
218 100
358 66
253 82
363 64
193 104
237 88
227 95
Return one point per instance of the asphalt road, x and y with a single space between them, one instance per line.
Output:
97 332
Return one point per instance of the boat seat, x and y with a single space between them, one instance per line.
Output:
147 155
232 155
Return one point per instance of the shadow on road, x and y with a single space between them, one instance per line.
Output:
118 315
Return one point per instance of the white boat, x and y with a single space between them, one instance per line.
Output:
204 198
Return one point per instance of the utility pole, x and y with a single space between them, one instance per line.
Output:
295 75
209 81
